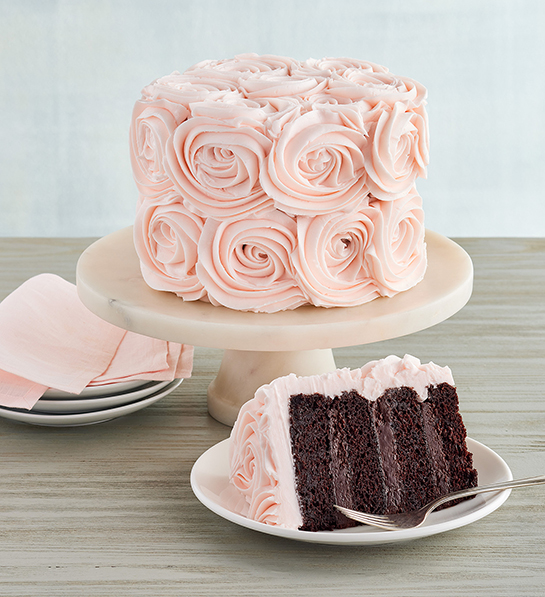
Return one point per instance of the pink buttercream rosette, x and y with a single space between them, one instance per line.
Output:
252 466
243 66
166 237
330 261
153 123
215 163
267 183
246 264
397 152
184 89
317 165
397 257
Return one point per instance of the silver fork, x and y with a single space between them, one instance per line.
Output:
411 520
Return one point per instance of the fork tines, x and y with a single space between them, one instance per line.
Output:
371 519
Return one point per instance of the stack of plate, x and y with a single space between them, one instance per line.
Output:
95 404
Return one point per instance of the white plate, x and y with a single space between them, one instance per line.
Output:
99 403
99 390
77 419
209 477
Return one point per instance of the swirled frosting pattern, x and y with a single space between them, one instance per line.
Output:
166 236
266 183
247 263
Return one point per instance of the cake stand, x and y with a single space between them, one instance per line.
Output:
260 347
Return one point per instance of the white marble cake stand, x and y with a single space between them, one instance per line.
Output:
260 347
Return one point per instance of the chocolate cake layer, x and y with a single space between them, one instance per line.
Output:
442 403
309 432
355 456
404 446
394 454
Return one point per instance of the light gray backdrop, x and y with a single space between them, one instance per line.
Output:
70 72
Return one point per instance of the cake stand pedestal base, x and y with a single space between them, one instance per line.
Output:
242 372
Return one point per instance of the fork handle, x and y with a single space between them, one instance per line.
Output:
485 488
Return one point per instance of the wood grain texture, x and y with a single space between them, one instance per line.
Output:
107 509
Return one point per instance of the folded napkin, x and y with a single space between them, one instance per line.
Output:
49 339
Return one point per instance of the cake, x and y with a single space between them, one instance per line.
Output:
266 183
385 438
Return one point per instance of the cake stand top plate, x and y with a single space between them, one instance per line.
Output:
110 284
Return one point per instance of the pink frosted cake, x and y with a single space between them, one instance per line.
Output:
384 438
266 183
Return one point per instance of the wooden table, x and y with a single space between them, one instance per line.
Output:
107 509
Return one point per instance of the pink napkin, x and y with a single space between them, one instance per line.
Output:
165 361
48 338
18 392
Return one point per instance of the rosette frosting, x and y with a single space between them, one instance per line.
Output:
372 86
328 66
166 237
215 166
245 264
397 153
264 182
254 471
316 166
243 66
186 89
152 125
397 257
330 261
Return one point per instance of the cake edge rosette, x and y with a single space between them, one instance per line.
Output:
166 237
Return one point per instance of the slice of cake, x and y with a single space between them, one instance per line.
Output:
382 439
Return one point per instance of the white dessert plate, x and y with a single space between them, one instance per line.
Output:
89 418
209 477
99 390
99 403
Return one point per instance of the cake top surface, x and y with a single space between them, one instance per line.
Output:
255 78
